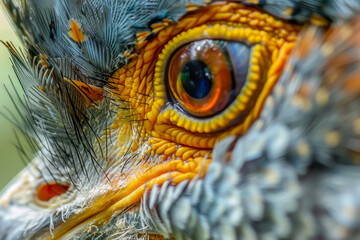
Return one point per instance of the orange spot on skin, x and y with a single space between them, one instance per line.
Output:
46 192
75 32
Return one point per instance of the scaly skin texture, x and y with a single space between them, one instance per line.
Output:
173 134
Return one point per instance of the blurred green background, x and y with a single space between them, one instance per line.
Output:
10 163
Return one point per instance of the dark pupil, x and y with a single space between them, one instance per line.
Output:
196 78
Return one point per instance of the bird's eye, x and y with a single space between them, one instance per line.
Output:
217 77
205 76
46 192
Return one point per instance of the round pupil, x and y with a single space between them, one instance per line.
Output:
196 78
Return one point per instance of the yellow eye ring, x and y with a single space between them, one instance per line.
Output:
261 77
271 41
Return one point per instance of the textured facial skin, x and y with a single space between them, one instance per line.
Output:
172 133
122 151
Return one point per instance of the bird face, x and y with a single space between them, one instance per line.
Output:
127 117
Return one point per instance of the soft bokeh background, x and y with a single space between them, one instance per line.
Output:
10 163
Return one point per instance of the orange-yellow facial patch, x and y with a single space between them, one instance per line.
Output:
144 83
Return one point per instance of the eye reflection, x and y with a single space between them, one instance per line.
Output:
196 79
205 76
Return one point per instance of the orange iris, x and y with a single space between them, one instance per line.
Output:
200 78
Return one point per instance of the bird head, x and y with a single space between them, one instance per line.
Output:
177 119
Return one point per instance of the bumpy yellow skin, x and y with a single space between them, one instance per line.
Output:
181 146
172 134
